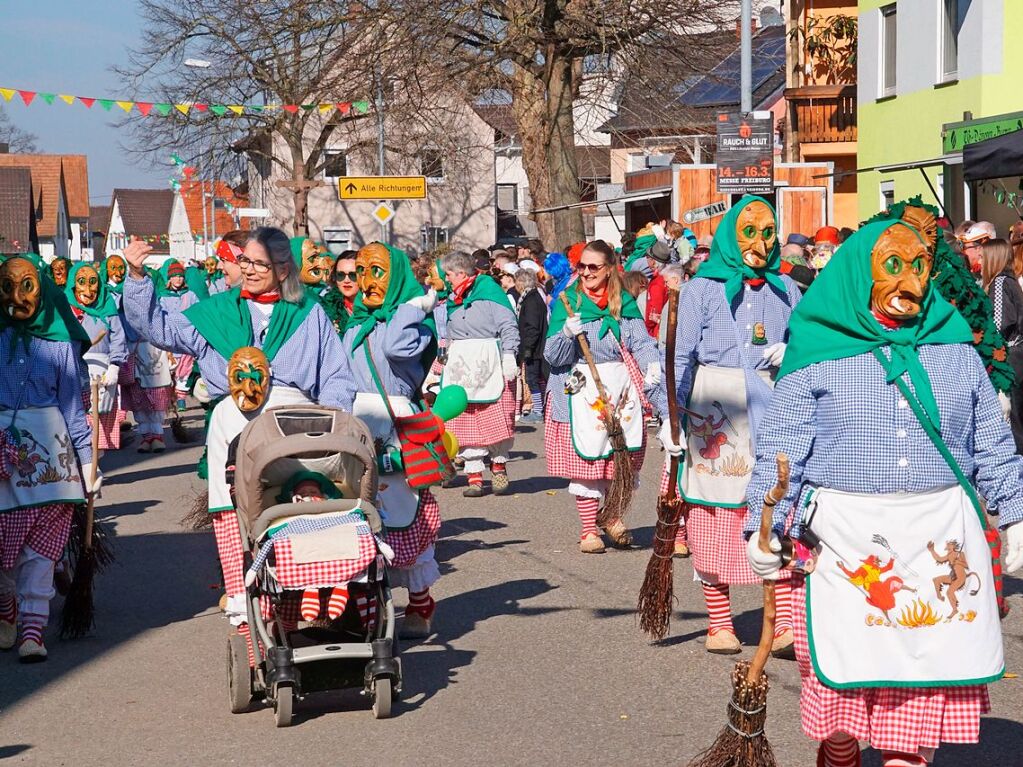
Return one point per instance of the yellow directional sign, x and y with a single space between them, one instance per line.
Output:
382 188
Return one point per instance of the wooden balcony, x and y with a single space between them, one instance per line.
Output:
822 114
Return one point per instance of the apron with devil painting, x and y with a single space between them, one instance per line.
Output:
475 365
590 439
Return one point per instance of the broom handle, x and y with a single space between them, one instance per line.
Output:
90 506
584 345
669 381
774 495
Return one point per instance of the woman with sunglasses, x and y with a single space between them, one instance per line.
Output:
269 310
347 283
574 437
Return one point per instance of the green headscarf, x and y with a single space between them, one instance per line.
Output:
198 281
485 288
49 266
639 249
834 320
225 322
588 311
442 295
117 289
401 288
104 306
163 277
53 320
328 488
725 262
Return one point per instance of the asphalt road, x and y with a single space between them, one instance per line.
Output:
537 657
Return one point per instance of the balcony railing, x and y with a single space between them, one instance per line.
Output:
823 114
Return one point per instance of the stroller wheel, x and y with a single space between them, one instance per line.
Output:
284 698
239 675
382 691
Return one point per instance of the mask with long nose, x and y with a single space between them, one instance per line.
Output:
86 285
20 290
900 266
756 233
248 378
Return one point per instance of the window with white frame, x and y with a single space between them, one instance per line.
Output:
431 164
889 49
887 189
949 23
335 163
337 240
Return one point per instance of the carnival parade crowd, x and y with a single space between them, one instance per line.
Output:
886 364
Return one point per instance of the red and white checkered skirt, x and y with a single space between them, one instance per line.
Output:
135 399
43 528
230 550
409 543
109 423
904 719
293 575
718 546
563 461
483 425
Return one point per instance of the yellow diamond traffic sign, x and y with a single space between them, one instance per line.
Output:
383 212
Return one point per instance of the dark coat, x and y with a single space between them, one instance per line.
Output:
532 326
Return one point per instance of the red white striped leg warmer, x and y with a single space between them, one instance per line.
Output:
840 750
719 611
587 508
783 607
337 602
422 603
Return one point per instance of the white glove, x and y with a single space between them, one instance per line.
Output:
200 392
573 326
670 446
424 302
509 367
107 396
110 377
653 374
1006 404
775 355
1014 548
87 475
768 565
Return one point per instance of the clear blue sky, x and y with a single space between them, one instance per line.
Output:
68 46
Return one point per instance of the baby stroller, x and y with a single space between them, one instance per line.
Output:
295 547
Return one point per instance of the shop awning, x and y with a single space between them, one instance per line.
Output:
637 197
996 157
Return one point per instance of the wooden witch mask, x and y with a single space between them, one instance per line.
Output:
373 267
20 289
248 378
756 233
115 269
900 265
312 268
86 285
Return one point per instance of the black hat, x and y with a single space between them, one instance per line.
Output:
659 252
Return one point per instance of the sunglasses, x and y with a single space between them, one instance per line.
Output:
350 276
589 268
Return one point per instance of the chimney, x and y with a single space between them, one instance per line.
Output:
738 27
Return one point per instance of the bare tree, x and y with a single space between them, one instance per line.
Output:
18 141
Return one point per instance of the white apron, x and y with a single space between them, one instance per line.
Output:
475 365
719 456
886 619
398 503
46 466
589 435
152 369
226 423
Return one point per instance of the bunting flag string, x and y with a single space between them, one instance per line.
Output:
165 109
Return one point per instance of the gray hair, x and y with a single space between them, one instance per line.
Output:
457 261
278 249
525 281
672 270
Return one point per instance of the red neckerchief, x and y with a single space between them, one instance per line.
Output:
263 298
601 300
79 313
459 293
756 282
349 303
886 322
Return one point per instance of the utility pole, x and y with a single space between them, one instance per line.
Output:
205 224
381 148
746 54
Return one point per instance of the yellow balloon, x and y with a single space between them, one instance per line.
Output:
450 444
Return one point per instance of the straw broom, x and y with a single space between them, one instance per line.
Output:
742 742
619 493
657 594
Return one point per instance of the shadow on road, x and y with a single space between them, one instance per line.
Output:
6 752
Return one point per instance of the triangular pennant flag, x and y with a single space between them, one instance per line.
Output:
87 101
308 107
144 107
255 107
67 99
27 96
183 108
292 108
8 93
237 109
324 108
176 159
270 107
126 105
163 109
218 109
107 104
361 106
200 107
344 108
48 97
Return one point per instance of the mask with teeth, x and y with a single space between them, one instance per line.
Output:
86 285
901 270
756 233
248 378
312 264
20 290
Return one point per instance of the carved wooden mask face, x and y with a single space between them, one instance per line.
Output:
248 378
115 269
86 285
326 262
59 269
434 280
211 265
311 273
373 267
757 233
924 222
20 290
900 266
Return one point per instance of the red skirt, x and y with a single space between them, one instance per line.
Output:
44 528
904 719
563 461
409 543
109 423
487 424
135 399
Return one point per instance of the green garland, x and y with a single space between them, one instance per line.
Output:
960 288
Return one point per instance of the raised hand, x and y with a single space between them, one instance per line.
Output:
135 254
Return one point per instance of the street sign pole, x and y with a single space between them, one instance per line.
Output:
746 68
381 148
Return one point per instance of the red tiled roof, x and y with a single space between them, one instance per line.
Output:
76 184
17 222
191 193
47 178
